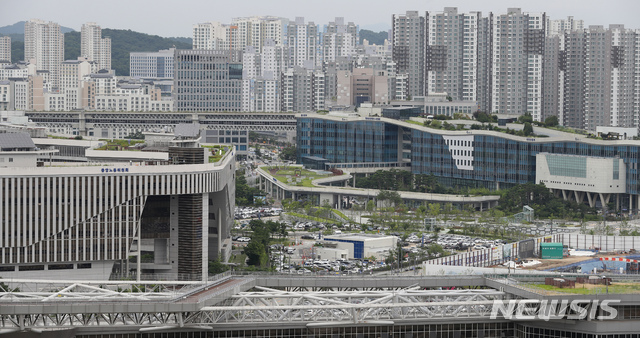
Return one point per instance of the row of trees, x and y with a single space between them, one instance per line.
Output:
257 250
401 180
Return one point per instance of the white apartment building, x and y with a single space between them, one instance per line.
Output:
151 65
94 46
214 35
5 94
561 26
409 49
518 45
72 72
5 48
44 43
339 39
452 53
256 30
261 78
303 43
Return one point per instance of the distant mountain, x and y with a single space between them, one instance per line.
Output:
181 39
16 31
373 37
122 43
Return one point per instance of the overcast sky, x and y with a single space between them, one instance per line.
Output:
176 17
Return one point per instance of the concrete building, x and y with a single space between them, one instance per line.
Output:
610 84
214 35
152 65
339 39
453 53
409 33
207 80
44 43
72 72
303 90
256 30
5 49
303 44
363 246
89 219
518 49
562 26
94 46
362 85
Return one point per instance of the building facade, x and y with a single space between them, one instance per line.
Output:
44 43
84 221
207 80
477 158
5 49
94 46
152 65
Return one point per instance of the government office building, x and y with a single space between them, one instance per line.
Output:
93 221
575 167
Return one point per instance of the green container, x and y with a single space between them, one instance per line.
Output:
551 250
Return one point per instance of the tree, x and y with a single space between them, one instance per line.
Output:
389 197
551 121
288 153
525 118
216 267
528 129
256 254
434 209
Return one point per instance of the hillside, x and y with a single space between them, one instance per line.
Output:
122 42
16 31
373 37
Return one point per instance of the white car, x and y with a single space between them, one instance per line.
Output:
243 239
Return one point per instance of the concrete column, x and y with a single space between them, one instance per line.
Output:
564 194
591 200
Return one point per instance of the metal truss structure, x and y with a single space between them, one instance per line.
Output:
153 306
335 307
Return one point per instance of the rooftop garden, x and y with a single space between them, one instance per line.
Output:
216 152
298 176
117 144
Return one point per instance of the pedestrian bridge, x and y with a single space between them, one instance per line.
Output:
233 301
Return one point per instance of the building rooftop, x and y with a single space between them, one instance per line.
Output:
16 141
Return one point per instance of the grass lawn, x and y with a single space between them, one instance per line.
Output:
590 289
238 259
307 176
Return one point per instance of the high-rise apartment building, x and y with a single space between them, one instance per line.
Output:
152 65
453 53
256 30
409 47
5 49
561 26
610 72
44 43
214 35
303 44
339 39
303 90
94 46
518 48
207 80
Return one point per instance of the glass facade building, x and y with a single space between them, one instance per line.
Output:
473 158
